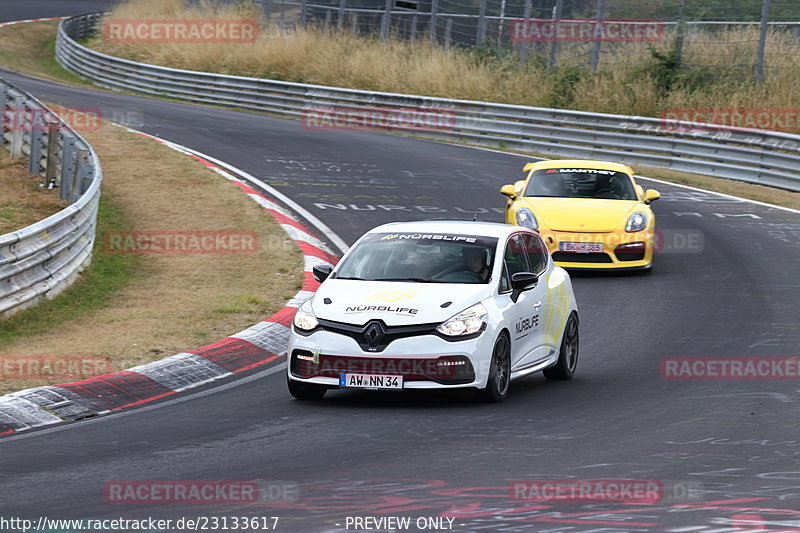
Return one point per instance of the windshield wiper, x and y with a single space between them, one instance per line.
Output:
419 280
352 277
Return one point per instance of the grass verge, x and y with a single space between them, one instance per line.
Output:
31 49
636 78
752 191
23 202
137 307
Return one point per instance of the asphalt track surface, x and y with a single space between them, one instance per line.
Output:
734 445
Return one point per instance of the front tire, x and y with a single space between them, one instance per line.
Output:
499 381
568 353
305 391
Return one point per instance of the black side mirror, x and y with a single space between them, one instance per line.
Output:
521 282
321 272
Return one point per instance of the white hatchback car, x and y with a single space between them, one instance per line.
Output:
424 305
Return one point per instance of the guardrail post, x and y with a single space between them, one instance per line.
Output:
413 37
448 32
35 155
81 157
85 171
762 40
386 20
51 159
598 42
17 130
86 22
434 20
481 23
67 167
4 99
557 11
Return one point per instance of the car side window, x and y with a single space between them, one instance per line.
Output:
537 253
505 281
515 257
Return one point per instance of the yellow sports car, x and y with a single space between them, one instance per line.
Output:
591 214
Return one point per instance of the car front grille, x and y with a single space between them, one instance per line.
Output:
447 370
375 336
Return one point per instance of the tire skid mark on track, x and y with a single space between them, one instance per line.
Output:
257 345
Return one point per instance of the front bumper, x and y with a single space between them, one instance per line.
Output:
424 361
621 250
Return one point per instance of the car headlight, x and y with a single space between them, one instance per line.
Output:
467 322
636 222
304 319
525 218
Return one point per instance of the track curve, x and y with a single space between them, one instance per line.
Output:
425 454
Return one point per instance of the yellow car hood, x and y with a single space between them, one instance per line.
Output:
582 214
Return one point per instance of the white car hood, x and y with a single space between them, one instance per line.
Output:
396 303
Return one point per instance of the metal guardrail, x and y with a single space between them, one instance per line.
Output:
41 260
754 156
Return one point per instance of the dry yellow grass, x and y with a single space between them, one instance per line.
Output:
22 201
316 56
623 85
177 302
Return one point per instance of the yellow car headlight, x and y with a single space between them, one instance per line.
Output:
636 222
526 218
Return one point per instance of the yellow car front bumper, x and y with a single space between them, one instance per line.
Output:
601 251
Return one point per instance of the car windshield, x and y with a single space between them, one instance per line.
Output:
420 258
581 183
